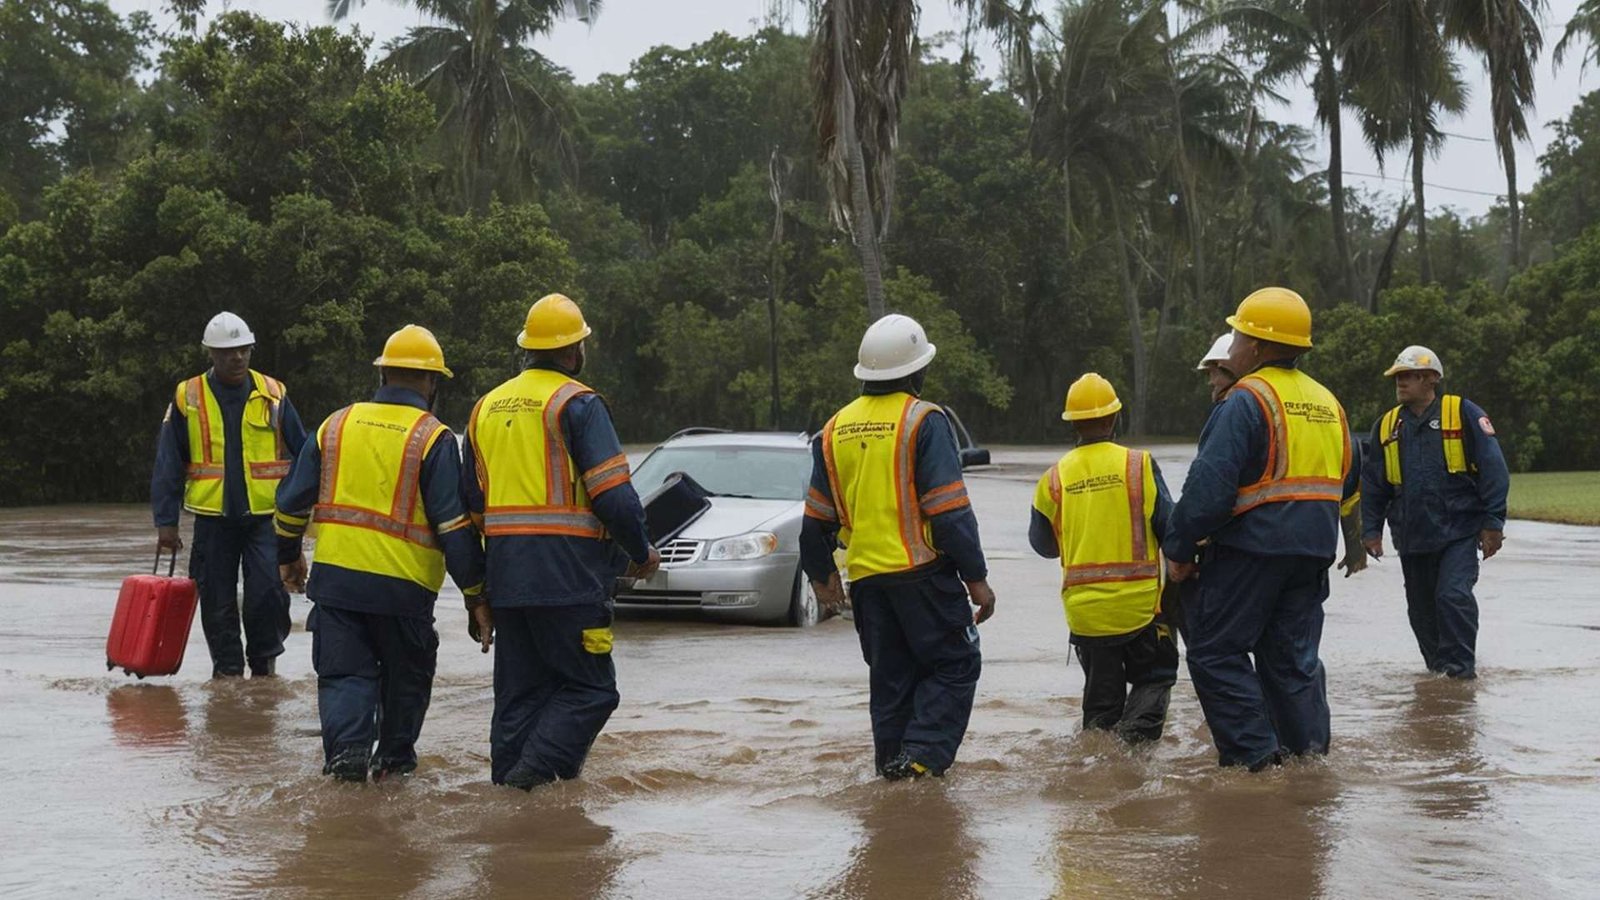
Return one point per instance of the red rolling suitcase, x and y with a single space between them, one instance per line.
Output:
151 626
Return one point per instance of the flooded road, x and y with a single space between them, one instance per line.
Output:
739 764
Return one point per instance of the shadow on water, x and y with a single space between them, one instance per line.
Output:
914 844
147 716
540 845
1439 728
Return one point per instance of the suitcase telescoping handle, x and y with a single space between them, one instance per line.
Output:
172 563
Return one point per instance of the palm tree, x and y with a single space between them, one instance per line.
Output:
1584 26
1409 77
860 66
493 91
1509 35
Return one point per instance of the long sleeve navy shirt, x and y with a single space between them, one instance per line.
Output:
955 532
1042 534
171 471
557 570
1431 507
1233 454
371 592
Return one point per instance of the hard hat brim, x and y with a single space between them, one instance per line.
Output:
528 342
244 340
416 365
890 374
1099 412
1397 369
1267 334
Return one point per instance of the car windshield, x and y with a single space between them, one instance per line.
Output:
766 473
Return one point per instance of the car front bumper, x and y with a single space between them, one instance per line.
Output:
757 590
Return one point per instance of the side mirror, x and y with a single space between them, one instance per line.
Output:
974 456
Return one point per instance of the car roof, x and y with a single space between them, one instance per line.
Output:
776 439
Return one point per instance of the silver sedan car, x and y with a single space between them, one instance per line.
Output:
740 561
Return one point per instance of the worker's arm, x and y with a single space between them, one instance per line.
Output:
171 469
442 503
471 490
942 495
1042 535
292 429
1233 438
297 494
1494 477
1161 516
597 453
1376 491
819 529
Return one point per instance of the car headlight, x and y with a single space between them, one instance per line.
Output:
754 545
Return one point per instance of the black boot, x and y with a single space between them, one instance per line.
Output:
264 668
524 777
349 765
903 767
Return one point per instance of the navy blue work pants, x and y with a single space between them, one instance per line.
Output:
221 546
1270 608
374 682
1146 661
922 651
1442 609
555 687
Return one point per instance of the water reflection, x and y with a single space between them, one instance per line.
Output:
540 846
147 716
914 844
1439 726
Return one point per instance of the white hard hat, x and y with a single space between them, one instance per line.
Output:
893 347
1416 358
226 331
1218 352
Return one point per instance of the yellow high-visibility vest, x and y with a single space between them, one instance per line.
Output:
1099 499
266 459
369 513
869 449
1308 440
1450 428
530 484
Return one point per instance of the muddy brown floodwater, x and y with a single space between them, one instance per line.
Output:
739 764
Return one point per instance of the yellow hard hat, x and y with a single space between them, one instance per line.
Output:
1090 397
413 347
1274 314
553 322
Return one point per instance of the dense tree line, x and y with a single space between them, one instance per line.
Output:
1101 207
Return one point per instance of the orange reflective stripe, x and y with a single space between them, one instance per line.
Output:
195 393
477 451
356 517
1134 479
943 499
843 511
201 471
332 441
1277 428
455 524
1329 489
278 468
607 475
1096 573
572 521
917 550
407 488
560 486
818 507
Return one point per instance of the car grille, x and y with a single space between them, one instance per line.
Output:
680 551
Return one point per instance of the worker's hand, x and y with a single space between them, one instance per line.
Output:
294 575
1373 546
830 595
982 597
1355 560
1489 542
646 568
1180 572
167 538
480 625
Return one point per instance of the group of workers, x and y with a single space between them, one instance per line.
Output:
534 516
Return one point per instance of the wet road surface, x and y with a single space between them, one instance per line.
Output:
739 764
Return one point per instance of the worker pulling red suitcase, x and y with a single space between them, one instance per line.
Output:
151 625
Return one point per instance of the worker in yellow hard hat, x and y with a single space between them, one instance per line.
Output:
383 481
1273 474
1102 510
1437 475
547 478
225 444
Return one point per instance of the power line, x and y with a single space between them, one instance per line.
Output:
1439 187
1467 137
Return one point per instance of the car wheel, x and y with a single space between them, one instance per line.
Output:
804 611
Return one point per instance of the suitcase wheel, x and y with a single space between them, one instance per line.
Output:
110 665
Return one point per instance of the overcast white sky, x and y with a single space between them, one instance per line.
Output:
626 28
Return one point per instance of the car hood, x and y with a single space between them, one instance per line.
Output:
729 516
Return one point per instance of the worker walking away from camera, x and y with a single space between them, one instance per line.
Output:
1441 483
1102 510
227 441
383 481
547 477
886 482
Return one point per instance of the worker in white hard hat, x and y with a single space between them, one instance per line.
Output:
1215 365
886 483
229 436
1440 481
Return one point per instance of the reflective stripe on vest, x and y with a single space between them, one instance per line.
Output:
1308 442
1450 430
524 468
266 459
869 450
1104 496
363 524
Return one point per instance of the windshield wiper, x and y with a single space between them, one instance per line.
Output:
735 496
